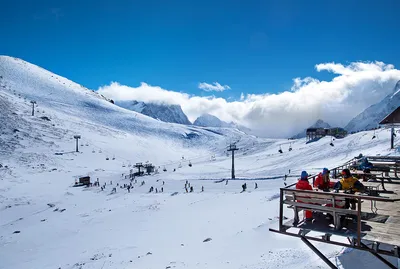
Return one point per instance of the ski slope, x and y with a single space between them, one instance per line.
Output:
100 229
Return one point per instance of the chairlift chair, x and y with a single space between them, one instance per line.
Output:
165 169
290 147
107 158
374 136
93 151
280 149
123 165
113 157
190 164
332 142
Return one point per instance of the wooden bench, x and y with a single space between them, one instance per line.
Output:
317 202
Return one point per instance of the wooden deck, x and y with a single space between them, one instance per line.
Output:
375 221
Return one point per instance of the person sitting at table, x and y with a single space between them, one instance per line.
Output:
322 181
365 165
349 183
303 184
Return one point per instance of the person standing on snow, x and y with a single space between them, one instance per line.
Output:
322 181
303 184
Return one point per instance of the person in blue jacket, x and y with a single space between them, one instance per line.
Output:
365 164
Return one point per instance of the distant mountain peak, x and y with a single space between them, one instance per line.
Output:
162 112
208 120
318 124
397 87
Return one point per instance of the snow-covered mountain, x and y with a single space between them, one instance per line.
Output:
319 124
208 120
372 115
163 112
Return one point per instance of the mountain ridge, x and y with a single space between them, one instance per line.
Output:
162 112
372 115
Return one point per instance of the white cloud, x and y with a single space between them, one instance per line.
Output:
213 87
356 86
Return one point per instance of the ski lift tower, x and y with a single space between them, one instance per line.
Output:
33 107
233 148
77 137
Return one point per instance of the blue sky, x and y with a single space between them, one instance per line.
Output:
252 46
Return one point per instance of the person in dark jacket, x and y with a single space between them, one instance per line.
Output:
365 164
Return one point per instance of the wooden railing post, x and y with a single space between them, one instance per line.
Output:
359 222
281 210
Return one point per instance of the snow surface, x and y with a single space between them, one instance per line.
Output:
98 229
371 116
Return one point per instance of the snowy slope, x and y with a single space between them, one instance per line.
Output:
319 124
163 112
139 229
207 120
371 116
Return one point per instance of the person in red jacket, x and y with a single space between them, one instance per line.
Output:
322 181
303 184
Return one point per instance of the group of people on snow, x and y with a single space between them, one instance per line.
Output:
322 182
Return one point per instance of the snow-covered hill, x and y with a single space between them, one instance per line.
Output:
163 112
207 120
46 223
371 116
319 124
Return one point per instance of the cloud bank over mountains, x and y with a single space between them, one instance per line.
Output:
355 87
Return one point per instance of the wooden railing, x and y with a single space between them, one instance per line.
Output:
316 201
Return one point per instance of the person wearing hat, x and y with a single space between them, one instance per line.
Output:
322 181
303 184
348 182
